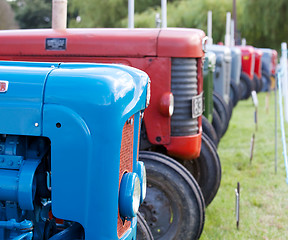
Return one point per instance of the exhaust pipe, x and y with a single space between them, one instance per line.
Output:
228 29
209 28
130 13
59 14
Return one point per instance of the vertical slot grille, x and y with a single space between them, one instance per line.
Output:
184 86
126 165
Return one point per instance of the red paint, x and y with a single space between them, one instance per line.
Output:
248 60
258 63
186 148
150 50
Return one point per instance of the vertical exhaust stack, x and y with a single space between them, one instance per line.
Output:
164 13
130 13
232 34
209 28
228 29
59 14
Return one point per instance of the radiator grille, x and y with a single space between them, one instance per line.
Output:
126 165
183 86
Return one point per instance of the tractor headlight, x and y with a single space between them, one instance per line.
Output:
141 171
167 104
129 195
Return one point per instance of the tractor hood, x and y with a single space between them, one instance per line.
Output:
170 42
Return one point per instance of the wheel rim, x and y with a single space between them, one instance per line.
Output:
156 207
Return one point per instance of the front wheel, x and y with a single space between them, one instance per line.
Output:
222 108
209 130
206 169
234 93
143 230
245 86
174 206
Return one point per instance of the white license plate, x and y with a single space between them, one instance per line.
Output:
197 105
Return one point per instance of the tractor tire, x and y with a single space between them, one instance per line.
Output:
266 82
245 86
174 206
222 109
230 108
234 93
217 125
206 169
143 230
255 83
209 130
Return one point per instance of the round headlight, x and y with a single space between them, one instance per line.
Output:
141 171
129 195
136 196
166 105
171 106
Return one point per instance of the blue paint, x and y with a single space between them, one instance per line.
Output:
82 109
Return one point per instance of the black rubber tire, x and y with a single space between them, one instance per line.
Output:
209 130
143 230
258 83
234 93
255 83
222 109
245 86
230 108
266 82
206 169
217 125
174 207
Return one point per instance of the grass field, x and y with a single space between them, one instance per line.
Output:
264 194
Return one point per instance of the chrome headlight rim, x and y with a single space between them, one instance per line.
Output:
129 195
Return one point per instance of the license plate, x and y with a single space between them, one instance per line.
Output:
197 105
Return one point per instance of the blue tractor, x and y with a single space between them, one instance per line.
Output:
69 137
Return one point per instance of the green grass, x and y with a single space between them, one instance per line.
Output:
264 194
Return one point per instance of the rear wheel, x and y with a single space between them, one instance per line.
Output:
143 230
174 205
245 86
206 169
209 130
217 125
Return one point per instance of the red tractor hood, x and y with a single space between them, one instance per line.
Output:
102 42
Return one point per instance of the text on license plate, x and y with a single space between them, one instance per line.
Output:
197 105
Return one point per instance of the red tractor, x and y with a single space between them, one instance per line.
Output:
247 84
173 59
258 70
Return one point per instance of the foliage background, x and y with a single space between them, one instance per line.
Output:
261 22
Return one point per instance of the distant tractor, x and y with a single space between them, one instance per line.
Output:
247 81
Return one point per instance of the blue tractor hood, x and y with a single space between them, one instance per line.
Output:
82 108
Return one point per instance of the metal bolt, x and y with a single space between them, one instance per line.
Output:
36 124
154 219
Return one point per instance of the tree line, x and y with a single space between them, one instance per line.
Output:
261 22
